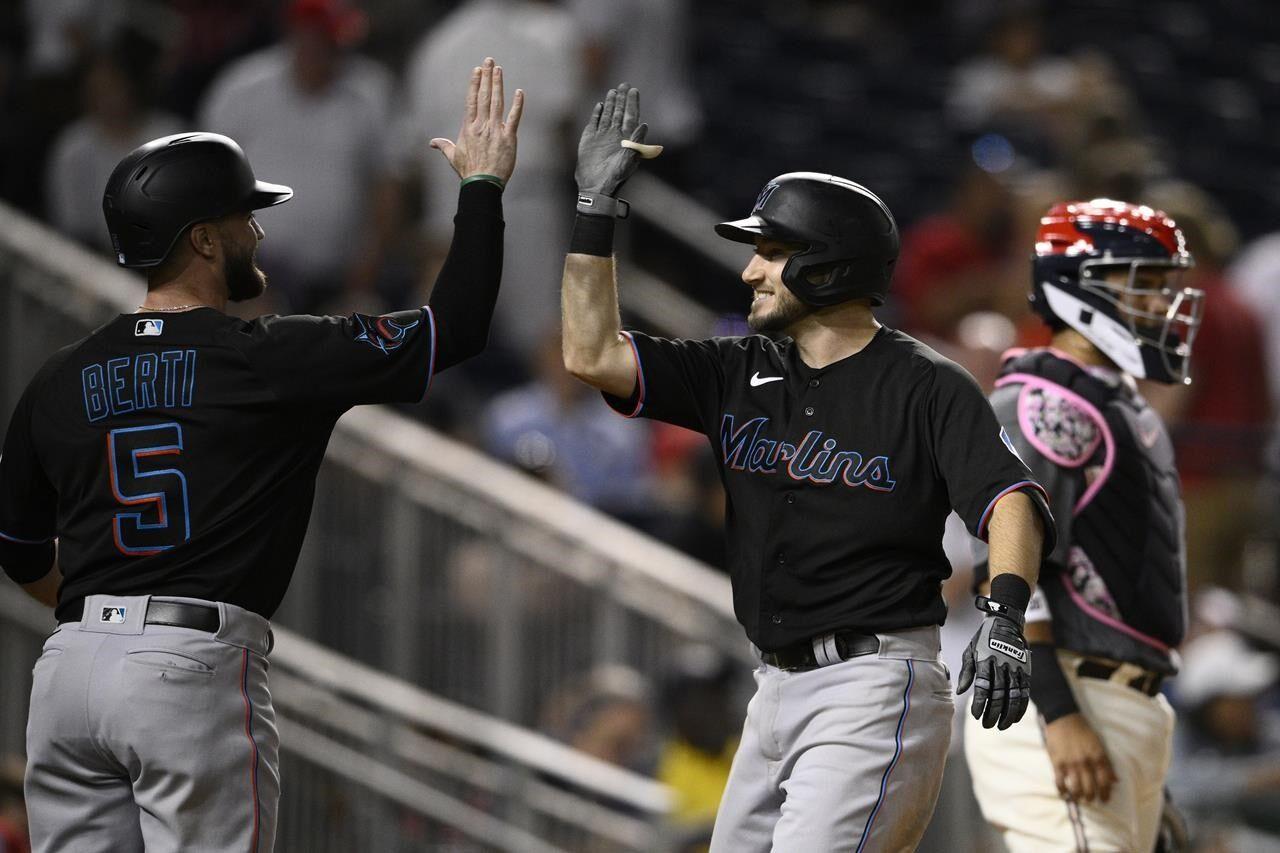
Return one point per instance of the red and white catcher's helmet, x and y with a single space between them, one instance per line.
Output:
1146 321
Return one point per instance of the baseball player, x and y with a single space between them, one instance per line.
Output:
167 463
1085 769
842 446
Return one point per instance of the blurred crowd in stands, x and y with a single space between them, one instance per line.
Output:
968 118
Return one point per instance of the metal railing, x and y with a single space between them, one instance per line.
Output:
441 601
394 767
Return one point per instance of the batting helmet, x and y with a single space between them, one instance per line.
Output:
850 238
167 185
1146 330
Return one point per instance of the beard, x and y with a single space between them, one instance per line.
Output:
245 280
787 309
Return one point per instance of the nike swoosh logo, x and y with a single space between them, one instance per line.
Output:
757 379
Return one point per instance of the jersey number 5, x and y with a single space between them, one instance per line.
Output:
141 461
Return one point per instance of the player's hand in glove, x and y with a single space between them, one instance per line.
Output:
486 144
998 665
611 146
1081 768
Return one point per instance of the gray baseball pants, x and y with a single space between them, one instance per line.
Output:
846 757
152 737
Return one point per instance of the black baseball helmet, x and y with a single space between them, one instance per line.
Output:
167 185
850 238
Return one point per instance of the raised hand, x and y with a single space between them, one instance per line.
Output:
604 162
486 144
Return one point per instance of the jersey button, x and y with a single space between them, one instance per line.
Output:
808 410
777 620
814 383
791 497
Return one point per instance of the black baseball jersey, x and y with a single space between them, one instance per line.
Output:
176 453
839 479
1115 585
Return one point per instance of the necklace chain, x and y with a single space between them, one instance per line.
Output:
149 308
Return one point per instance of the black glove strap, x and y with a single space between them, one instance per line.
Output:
987 605
598 204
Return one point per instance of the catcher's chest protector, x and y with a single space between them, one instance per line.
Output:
1122 592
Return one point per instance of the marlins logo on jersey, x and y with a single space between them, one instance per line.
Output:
382 333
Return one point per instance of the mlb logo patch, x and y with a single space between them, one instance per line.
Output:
148 328
113 615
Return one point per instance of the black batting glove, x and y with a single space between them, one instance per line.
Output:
604 164
998 665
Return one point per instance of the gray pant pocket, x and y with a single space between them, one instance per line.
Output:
168 659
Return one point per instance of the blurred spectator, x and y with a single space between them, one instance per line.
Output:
644 43
1255 279
317 114
947 263
1013 85
209 34
1226 764
695 522
538 46
116 120
697 705
560 429
606 714
1219 423
13 812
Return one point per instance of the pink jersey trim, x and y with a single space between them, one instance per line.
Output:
431 365
986 513
1110 620
639 377
1109 456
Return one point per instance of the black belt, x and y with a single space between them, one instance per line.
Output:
1148 683
179 614
800 655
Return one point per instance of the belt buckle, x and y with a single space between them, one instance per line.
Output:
826 650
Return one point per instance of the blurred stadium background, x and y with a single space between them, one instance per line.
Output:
510 628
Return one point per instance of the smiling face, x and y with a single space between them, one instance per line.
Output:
773 306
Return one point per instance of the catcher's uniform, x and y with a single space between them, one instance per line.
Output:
1114 591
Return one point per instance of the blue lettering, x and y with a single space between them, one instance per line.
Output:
118 378
171 358
735 444
189 378
818 459
96 406
800 466
144 380
876 475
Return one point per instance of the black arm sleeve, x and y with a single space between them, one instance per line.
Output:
25 563
466 290
1049 688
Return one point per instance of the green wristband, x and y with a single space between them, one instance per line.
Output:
493 179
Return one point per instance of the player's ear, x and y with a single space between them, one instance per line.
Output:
205 240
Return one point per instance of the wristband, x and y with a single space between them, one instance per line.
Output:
493 179
597 204
1010 590
592 235
1049 689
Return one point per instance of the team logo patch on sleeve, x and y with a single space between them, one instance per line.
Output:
382 333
